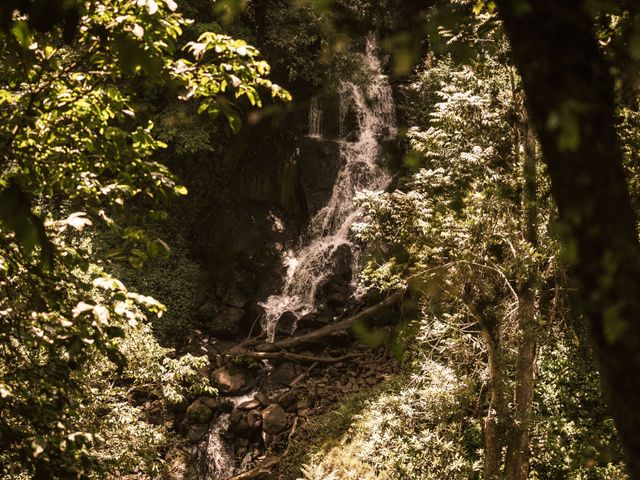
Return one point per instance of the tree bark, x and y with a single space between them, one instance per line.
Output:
571 102
497 413
517 458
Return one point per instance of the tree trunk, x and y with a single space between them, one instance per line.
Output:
497 413
517 459
570 95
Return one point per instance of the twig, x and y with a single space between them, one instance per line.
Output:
255 472
303 375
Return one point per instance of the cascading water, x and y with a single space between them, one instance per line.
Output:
373 108
216 460
367 116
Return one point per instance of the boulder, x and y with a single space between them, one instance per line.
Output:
197 433
201 410
238 422
254 419
281 376
232 380
274 419
285 325
313 321
337 299
222 321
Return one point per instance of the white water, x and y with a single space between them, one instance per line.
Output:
219 462
306 267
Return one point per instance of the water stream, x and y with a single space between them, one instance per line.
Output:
367 116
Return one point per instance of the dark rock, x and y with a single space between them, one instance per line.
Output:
238 422
313 321
254 419
281 376
197 432
202 410
288 400
217 347
222 322
253 312
232 380
263 398
274 419
318 165
337 299
304 403
285 325
338 280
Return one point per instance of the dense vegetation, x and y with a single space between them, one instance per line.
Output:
156 170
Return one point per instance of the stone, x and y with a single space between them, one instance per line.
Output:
222 321
313 321
337 299
231 379
238 422
197 433
274 419
281 376
318 165
304 403
201 410
250 405
285 325
263 398
254 419
253 312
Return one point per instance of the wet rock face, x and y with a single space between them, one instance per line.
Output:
274 419
285 325
223 322
232 380
313 321
318 166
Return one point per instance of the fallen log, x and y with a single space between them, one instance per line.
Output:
294 356
342 325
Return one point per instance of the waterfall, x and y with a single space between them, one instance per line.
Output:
216 460
371 112
219 460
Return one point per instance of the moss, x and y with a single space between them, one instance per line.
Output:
407 428
324 431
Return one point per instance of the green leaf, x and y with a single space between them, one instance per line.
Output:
22 32
16 216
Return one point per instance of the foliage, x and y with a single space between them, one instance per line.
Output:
415 427
456 232
76 149
295 38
